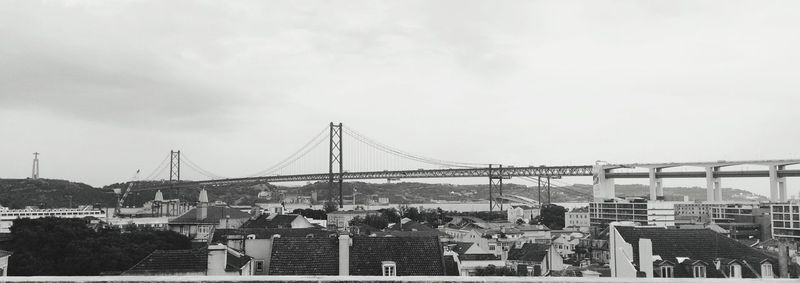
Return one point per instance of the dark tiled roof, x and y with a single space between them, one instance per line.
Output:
220 235
235 262
414 256
431 233
354 212
411 226
528 252
460 247
195 260
696 244
215 214
450 266
304 256
279 221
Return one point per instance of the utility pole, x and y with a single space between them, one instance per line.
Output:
35 170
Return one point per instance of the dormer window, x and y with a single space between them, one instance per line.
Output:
389 268
766 270
666 271
735 271
699 271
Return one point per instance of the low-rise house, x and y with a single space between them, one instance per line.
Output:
469 257
532 259
212 260
199 223
4 256
565 243
374 256
526 213
684 253
340 220
578 217
290 221
257 242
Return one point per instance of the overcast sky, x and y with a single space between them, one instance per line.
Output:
103 88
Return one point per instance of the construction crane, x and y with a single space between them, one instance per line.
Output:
121 200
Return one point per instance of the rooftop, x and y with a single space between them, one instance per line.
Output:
215 214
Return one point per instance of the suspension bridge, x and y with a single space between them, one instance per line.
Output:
316 162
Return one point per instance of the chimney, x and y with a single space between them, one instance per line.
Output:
344 255
783 259
217 259
202 205
646 257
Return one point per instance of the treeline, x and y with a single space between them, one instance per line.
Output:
69 247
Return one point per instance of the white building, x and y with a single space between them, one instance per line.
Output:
7 216
637 210
577 218
4 256
525 213
785 220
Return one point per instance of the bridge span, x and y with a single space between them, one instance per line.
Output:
603 175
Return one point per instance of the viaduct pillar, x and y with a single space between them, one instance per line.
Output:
713 184
656 186
603 188
777 185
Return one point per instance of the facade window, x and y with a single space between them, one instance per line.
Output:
389 268
699 271
766 270
666 271
735 271
259 266
491 247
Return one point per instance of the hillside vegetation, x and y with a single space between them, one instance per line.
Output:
18 193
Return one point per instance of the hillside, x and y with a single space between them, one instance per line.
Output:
18 193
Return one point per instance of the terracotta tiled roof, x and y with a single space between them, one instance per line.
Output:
697 244
420 256
414 256
528 252
279 221
220 235
304 256
176 261
214 215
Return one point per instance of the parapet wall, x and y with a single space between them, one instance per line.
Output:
363 279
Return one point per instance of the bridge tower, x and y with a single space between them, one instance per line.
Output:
335 160
175 169
496 182
35 170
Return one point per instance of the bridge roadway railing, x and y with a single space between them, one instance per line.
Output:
529 171
702 174
365 279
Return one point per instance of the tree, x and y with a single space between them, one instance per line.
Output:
330 206
67 247
492 270
376 221
552 216
391 214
